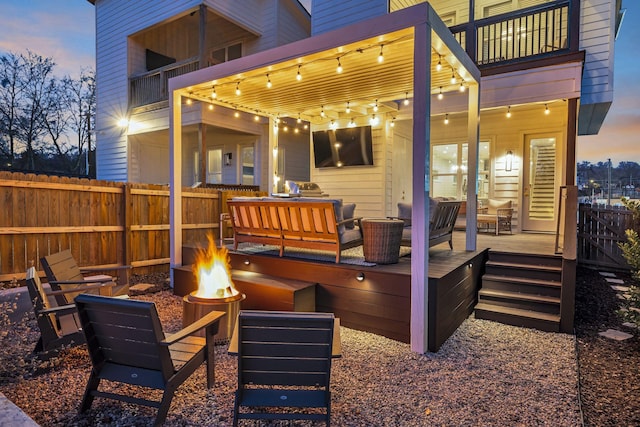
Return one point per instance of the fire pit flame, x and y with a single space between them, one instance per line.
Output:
212 272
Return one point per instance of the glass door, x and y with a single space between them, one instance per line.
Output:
539 204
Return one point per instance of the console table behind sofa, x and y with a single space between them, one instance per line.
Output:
295 222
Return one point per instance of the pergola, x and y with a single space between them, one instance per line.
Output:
373 65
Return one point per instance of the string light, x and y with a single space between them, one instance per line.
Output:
374 120
380 56
210 107
333 125
189 101
375 107
256 118
348 109
509 111
299 119
406 98
439 64
440 94
453 76
546 109
446 119
339 68
393 122
321 111
236 114
268 82
462 88
299 76
352 123
214 95
238 89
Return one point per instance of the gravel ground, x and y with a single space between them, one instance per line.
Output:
486 374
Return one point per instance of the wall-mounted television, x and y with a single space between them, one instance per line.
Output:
343 147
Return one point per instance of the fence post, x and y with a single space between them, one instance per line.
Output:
127 202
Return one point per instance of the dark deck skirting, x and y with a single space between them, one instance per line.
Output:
381 303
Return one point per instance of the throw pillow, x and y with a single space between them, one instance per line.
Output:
348 210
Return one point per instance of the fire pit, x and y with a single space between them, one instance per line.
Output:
215 292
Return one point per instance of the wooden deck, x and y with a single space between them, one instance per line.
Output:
381 302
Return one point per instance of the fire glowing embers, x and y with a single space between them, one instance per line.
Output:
213 273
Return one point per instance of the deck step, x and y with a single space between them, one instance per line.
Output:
524 301
522 270
518 317
528 259
550 288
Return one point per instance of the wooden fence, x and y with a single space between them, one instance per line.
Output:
600 229
102 223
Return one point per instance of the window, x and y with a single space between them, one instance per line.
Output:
214 166
226 53
449 170
247 165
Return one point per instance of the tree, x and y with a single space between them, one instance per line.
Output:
11 86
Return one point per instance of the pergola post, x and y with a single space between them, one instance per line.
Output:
473 138
175 180
421 179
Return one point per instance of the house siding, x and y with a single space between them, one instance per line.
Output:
597 29
330 15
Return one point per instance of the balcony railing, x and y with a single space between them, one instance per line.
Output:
518 35
152 87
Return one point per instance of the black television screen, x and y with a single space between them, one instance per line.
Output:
343 147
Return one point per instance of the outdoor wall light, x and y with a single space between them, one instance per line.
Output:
246 262
508 163
360 277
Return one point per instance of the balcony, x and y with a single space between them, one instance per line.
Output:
152 87
532 33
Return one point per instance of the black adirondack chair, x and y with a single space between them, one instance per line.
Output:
58 324
126 344
63 273
284 362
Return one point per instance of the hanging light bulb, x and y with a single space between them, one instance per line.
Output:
374 120
299 76
214 95
348 109
256 117
462 88
339 68
268 82
453 77
352 123
322 111
446 119
509 111
440 94
380 56
333 125
546 109
406 98
439 64
238 89
189 101
210 107
393 122
375 107
236 113
305 127
299 119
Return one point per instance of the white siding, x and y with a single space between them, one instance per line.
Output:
275 21
597 40
329 15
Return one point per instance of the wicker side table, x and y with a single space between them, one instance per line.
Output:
382 240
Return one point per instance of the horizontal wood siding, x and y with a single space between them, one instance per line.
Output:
453 11
103 223
597 26
363 185
330 15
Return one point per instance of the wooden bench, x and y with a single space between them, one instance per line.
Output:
299 223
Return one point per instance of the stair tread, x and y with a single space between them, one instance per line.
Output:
520 265
539 282
518 312
520 296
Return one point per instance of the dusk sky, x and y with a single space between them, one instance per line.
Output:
65 31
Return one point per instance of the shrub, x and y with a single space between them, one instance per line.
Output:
630 310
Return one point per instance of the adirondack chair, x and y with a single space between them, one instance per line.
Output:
58 324
284 361
63 273
126 344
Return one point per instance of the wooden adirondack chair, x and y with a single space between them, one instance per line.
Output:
127 345
63 273
284 361
58 324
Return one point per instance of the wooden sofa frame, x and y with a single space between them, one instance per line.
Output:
292 223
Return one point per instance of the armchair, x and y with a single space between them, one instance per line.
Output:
496 213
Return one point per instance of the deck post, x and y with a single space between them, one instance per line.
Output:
473 135
421 180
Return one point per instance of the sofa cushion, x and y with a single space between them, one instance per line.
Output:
349 236
493 205
348 210
404 213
